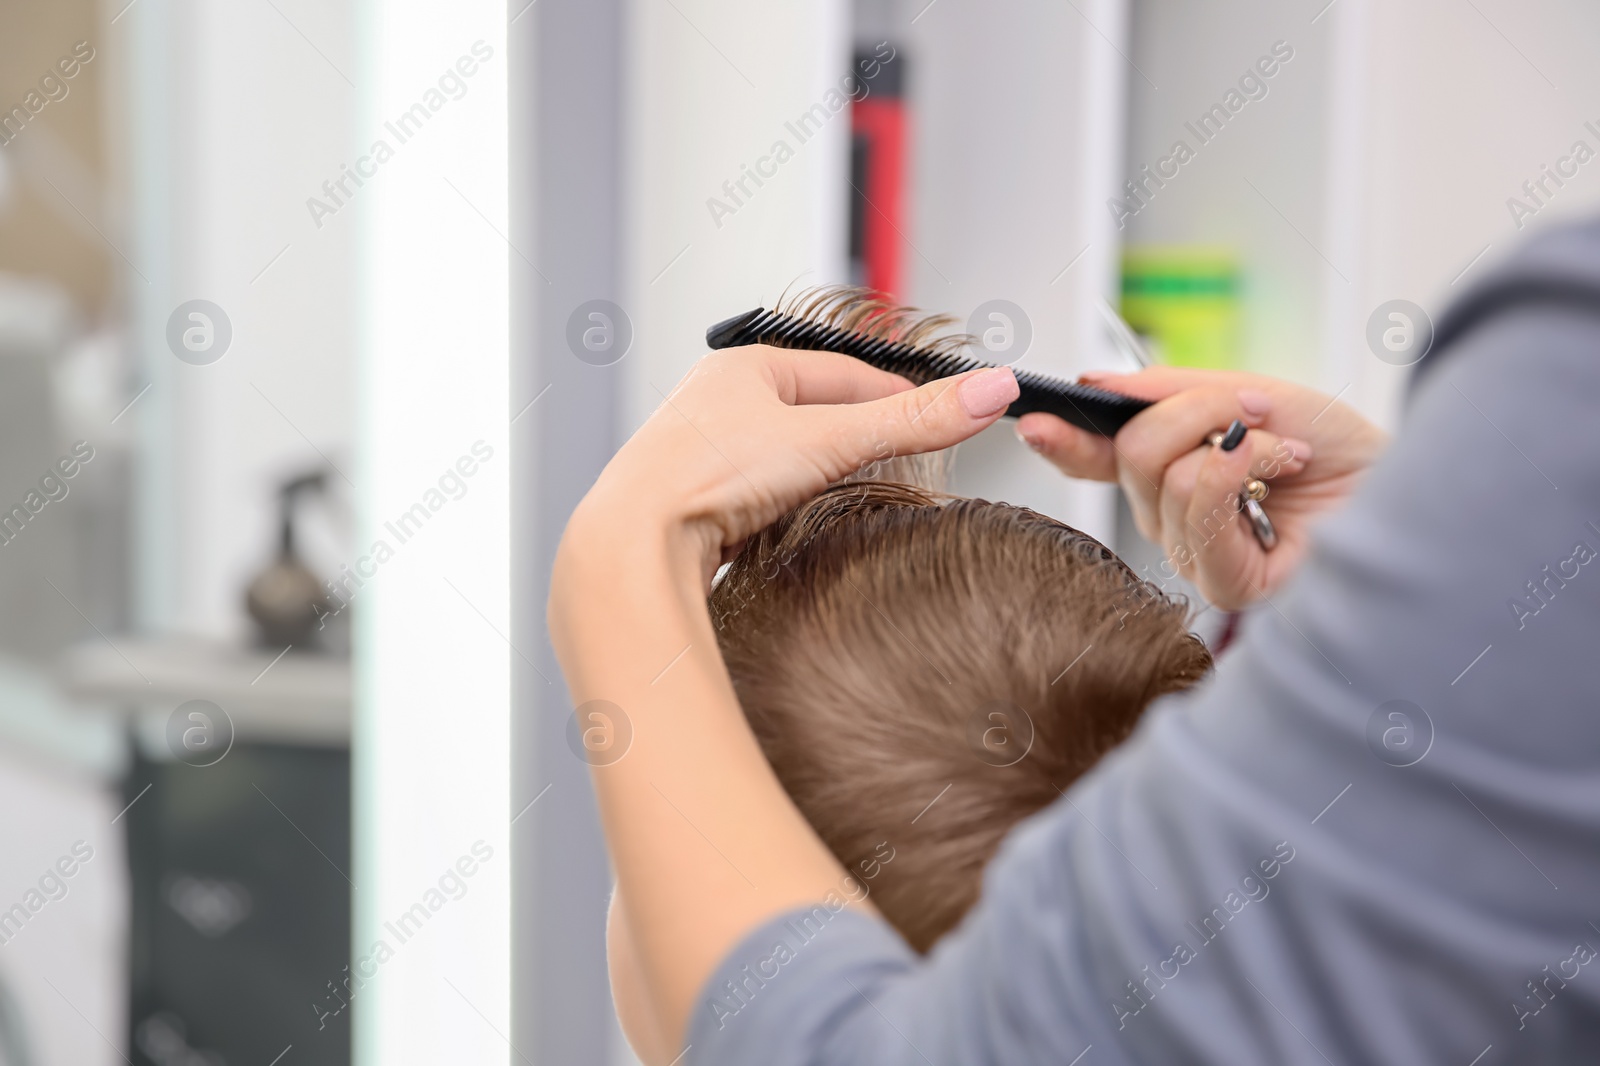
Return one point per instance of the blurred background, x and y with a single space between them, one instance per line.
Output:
317 318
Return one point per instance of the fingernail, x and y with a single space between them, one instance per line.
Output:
1030 439
1255 402
1235 434
1301 449
989 391
1096 377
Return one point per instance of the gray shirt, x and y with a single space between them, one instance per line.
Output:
1372 837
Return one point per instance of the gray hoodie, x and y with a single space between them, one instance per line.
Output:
1372 837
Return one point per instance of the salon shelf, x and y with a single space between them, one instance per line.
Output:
304 698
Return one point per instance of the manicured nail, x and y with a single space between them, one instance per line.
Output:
1235 434
1030 439
1097 377
989 391
1301 449
1255 402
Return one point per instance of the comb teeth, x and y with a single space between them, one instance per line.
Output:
1097 410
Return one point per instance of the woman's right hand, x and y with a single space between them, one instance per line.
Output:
1184 493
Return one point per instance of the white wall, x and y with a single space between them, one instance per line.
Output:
1016 138
1463 103
1260 185
68 964
235 114
1384 155
712 85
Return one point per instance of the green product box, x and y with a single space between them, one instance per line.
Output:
1185 301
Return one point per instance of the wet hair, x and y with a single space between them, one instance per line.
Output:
924 671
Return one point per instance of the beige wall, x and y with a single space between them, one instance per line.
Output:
40 234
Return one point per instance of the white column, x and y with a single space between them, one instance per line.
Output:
433 663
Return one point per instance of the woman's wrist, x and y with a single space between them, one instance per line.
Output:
620 533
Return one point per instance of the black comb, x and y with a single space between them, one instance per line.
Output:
1097 410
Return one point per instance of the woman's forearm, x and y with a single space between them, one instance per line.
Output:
705 842
635 1010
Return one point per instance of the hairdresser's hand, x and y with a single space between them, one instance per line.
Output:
1184 493
751 432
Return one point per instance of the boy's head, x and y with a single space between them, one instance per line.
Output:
923 672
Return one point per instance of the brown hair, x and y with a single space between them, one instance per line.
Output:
892 646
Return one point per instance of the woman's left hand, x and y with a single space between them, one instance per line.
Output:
747 435
751 432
